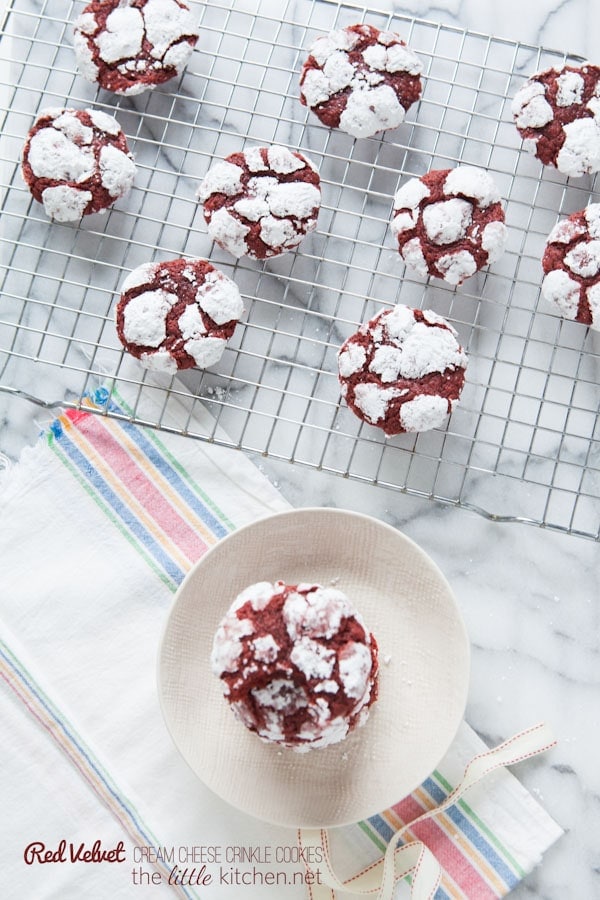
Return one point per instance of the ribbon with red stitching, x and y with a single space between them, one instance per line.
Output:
415 858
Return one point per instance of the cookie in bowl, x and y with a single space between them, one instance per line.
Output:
297 664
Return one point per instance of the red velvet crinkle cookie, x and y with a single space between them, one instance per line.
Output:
130 46
76 162
297 664
261 202
360 79
449 223
571 264
557 112
402 371
177 314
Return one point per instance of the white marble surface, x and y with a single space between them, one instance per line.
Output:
530 597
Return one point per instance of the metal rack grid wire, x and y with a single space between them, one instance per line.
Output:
524 444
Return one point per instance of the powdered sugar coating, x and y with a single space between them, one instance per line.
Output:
449 223
130 46
177 314
76 162
571 264
402 371
360 79
297 663
557 112
261 202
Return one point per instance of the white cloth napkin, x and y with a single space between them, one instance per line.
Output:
98 524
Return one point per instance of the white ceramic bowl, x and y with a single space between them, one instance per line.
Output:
424 669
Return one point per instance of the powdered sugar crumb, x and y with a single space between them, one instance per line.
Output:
352 359
229 232
564 232
220 298
283 160
117 170
411 194
493 240
423 413
371 110
569 88
413 256
448 220
144 318
64 203
222 178
580 153
455 267
373 400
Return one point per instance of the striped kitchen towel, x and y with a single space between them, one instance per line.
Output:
99 523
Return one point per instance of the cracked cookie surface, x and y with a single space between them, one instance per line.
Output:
297 664
403 370
557 113
177 314
571 264
360 79
76 162
130 46
261 202
449 223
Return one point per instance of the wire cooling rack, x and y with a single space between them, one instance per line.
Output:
523 444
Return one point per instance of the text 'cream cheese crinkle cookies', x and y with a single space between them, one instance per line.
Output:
403 371
557 113
261 202
130 46
297 664
449 223
177 314
76 162
571 264
360 79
